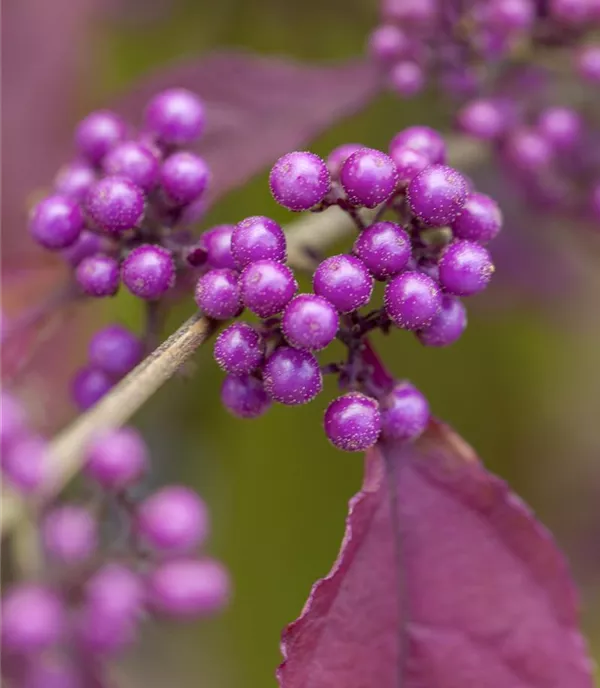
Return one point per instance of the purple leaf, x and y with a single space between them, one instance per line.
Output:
259 108
460 588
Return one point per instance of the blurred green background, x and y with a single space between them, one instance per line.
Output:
522 386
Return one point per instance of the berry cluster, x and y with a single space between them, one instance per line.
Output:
98 585
461 44
425 241
117 211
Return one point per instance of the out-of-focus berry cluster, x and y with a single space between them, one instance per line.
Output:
99 583
459 45
425 239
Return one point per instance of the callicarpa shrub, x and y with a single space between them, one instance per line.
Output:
444 578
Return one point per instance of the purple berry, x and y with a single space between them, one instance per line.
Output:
25 462
344 281
353 422
116 590
101 633
447 326
98 275
87 244
299 180
267 287
388 43
479 220
175 117
33 618
218 294
384 248
369 177
465 268
561 126
74 180
244 396
89 385
173 520
148 271
239 349
407 78
405 413
115 350
510 16
115 204
422 139
409 163
338 157
217 242
527 150
257 238
117 459
135 162
56 222
292 376
309 322
188 588
184 177
98 133
69 534
412 300
588 63
483 119
415 14
437 194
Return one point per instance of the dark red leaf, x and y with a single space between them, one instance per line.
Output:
259 108
444 580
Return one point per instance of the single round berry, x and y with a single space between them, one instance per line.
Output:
353 422
188 588
412 299
184 177
87 244
74 180
175 117
115 204
588 63
56 222
98 275
447 326
309 322
369 177
479 220
193 213
257 238
437 194
422 139
148 271
218 294
405 413
89 385
69 534
25 463
407 78
116 590
217 243
388 43
409 163
483 119
33 618
385 248
244 396
135 162
465 268
267 287
239 349
338 157
292 376
98 133
117 459
173 520
102 634
561 126
526 150
344 281
115 350
299 180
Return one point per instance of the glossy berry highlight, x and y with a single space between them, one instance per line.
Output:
353 422
292 376
344 281
369 177
299 180
149 271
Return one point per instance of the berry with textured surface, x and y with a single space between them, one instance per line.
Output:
148 271
409 163
134 161
309 322
257 238
447 326
384 248
479 220
217 243
344 281
299 180
56 222
98 275
267 287
405 413
244 396
292 376
338 157
239 349
437 194
115 204
353 422
422 139
369 177
412 299
465 268
218 294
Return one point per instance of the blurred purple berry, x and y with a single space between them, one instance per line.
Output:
415 14
98 133
479 220
388 43
412 300
344 281
369 177
409 163
407 78
148 271
244 396
98 275
257 238
353 422
102 634
135 162
184 177
405 413
69 534
116 590
89 385
56 222
239 349
447 326
115 350
527 150
117 459
465 268
218 294
483 119
87 244
176 117
292 376
25 462
267 287
74 180
115 204
437 194
384 248
561 126
309 322
588 63
299 180
422 139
